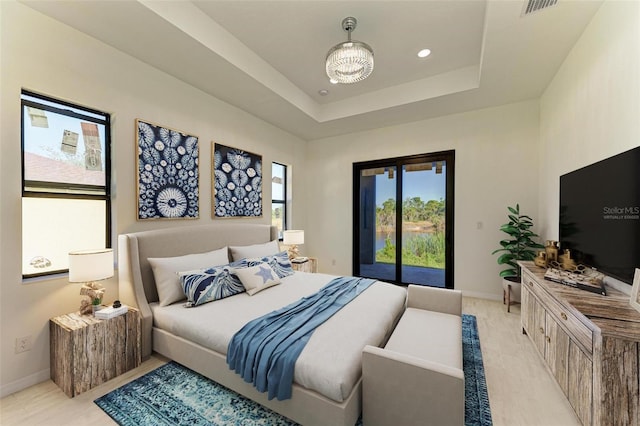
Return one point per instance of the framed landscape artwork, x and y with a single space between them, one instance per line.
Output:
167 173
237 183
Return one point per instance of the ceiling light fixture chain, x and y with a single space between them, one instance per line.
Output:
351 61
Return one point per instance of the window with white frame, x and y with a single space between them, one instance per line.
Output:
279 197
66 169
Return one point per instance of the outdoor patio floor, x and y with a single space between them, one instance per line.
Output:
410 274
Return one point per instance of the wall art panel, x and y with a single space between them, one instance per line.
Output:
167 173
237 183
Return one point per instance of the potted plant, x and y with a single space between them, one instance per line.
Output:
519 246
96 304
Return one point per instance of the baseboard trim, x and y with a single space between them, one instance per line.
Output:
25 382
480 295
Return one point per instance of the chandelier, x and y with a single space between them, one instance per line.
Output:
350 61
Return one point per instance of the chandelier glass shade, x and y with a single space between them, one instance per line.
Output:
350 61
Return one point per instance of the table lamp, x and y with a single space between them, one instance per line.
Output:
293 238
89 266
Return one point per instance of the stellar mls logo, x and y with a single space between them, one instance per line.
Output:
621 213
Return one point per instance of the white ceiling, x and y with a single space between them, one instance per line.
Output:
267 57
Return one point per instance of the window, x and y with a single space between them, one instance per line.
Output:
66 169
279 197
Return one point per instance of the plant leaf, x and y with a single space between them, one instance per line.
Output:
505 258
509 273
509 229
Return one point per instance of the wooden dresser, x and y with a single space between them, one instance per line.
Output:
590 343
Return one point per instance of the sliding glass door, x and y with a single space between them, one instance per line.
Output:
376 227
403 219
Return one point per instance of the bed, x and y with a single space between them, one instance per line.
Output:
327 387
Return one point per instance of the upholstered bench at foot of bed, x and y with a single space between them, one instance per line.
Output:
417 379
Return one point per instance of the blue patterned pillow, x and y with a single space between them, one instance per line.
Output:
280 263
206 285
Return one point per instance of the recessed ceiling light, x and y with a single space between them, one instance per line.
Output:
332 81
424 53
323 92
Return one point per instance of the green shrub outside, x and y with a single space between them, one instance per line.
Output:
425 250
420 249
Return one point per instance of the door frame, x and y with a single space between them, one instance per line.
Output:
398 162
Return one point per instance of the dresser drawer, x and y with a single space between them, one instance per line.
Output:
577 330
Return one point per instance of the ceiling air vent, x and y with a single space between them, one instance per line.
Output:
532 6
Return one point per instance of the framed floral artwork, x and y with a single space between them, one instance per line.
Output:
237 182
167 173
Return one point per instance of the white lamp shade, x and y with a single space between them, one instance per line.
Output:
293 237
90 265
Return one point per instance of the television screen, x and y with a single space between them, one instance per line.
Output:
600 215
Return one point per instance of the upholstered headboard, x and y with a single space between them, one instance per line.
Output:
136 283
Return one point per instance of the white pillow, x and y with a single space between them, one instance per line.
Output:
165 271
255 250
257 278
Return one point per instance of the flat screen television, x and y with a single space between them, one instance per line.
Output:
600 215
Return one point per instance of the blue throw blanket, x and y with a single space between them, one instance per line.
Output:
265 350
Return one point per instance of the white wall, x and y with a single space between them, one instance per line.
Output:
496 165
591 109
40 54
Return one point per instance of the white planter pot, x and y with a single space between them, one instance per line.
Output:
511 291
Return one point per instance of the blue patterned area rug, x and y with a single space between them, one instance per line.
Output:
477 411
173 395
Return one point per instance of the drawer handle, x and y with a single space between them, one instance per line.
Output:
563 316
530 284
548 339
541 330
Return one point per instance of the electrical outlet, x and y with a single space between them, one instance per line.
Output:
23 344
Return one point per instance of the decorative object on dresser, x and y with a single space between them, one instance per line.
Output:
167 173
86 351
541 259
519 246
567 262
579 276
309 264
237 182
293 238
590 344
89 266
634 300
551 250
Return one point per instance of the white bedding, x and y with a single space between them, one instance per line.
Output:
331 363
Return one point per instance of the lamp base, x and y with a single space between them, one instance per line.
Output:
293 251
94 293
88 308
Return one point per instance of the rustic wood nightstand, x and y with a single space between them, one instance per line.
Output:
86 351
311 265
